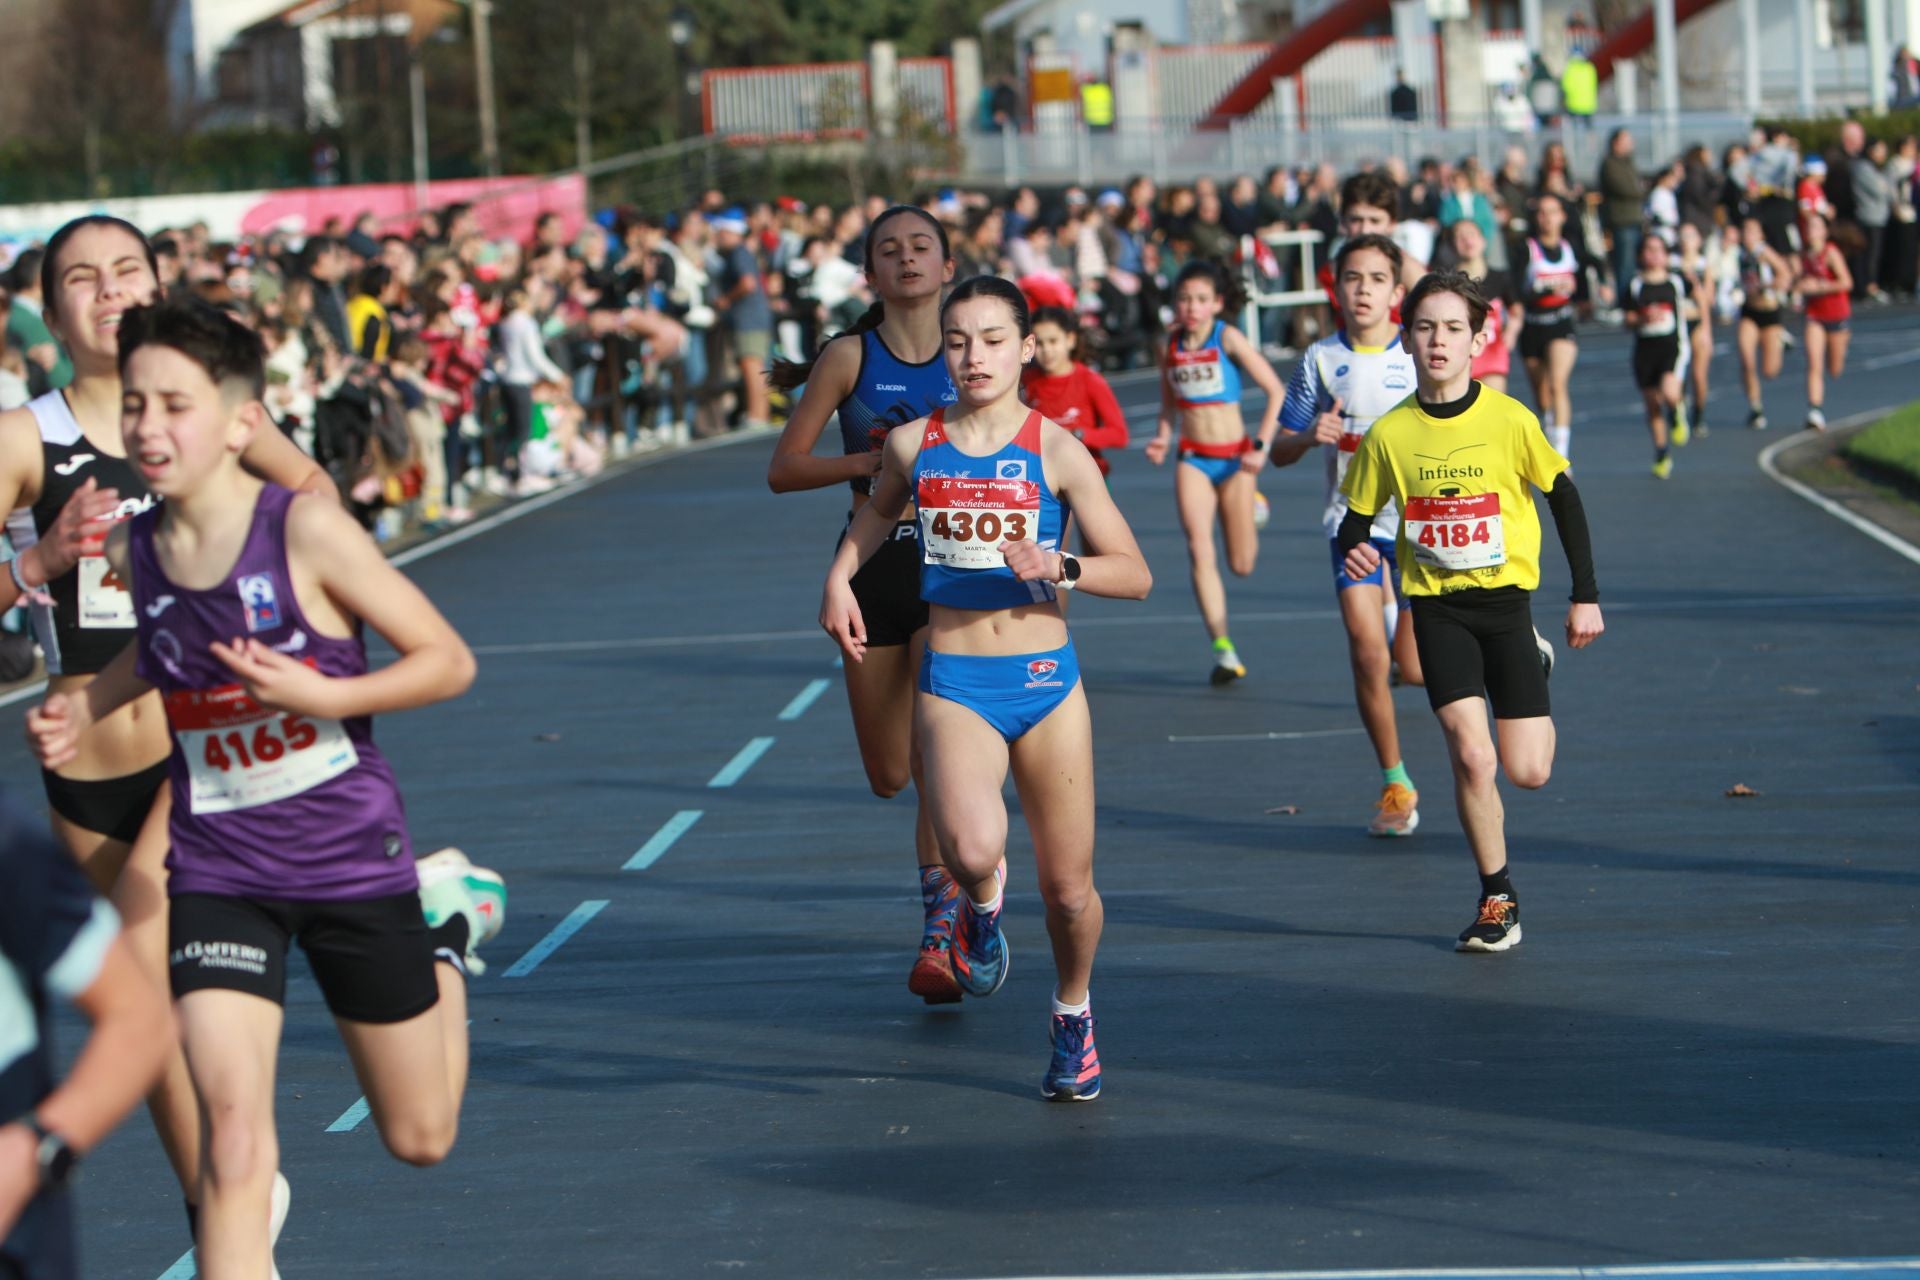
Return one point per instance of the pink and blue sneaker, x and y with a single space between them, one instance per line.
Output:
1074 1073
979 950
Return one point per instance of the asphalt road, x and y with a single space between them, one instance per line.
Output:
1705 1049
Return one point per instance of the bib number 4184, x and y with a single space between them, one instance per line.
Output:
1457 532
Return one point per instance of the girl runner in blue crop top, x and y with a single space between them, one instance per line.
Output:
885 371
999 686
1214 481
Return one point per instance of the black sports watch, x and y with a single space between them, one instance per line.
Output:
1256 444
1069 572
56 1157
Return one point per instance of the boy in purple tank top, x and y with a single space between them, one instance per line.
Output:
287 822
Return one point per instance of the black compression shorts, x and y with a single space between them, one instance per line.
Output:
888 588
1479 643
372 957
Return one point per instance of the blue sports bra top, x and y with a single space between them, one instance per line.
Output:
969 505
1203 375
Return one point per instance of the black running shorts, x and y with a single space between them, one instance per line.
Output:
113 807
1479 643
1654 359
372 958
1535 335
888 588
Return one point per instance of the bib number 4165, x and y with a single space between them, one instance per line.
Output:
235 749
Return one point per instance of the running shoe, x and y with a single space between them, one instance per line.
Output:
1756 420
980 959
1074 1073
1396 815
451 885
1662 468
282 1201
1261 511
932 977
1226 666
1816 420
1497 928
1681 433
1545 646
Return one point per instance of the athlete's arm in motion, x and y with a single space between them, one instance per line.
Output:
339 575
1302 422
1240 349
272 456
54 728
131 1036
1584 624
1163 432
1109 429
1355 539
839 611
82 521
1116 568
794 465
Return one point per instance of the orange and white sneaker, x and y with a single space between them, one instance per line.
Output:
1396 815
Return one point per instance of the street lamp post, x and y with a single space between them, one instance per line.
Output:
483 78
680 30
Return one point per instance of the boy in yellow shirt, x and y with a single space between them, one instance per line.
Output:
1461 461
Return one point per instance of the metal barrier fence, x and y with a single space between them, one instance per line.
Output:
1171 153
823 99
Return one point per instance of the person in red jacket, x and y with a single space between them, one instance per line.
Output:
1069 392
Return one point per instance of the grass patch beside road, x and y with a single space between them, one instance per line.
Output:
1890 447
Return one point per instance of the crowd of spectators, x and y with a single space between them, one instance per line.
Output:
425 367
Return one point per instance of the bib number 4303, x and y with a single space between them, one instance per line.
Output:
980 526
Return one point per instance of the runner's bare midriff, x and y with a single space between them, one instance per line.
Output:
131 739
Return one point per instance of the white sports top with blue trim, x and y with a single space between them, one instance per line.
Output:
1367 381
969 505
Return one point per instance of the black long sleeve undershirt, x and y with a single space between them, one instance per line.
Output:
1569 520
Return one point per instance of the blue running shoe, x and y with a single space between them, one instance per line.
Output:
1074 1073
979 951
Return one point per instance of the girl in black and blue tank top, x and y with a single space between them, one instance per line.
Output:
999 686
886 372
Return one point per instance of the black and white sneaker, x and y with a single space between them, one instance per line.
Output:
1816 420
1756 420
1496 929
1546 653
